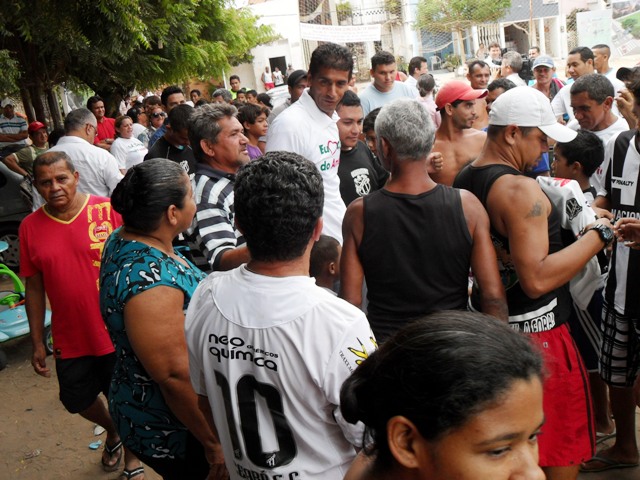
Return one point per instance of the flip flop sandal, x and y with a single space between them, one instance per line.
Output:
128 474
112 451
607 464
601 437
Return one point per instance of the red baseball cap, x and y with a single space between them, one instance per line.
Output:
457 90
35 126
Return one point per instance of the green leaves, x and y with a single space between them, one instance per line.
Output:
114 45
454 15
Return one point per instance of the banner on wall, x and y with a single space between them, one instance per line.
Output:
341 33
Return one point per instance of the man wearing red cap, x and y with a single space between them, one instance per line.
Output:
21 161
534 266
458 142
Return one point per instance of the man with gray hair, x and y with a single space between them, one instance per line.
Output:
510 68
221 95
438 233
98 169
220 147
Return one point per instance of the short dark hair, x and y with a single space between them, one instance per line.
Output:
585 53
416 63
168 91
602 46
180 117
331 55
494 45
325 250
93 100
49 158
133 113
535 47
369 122
148 190
597 86
265 99
278 199
382 58
438 372
474 63
234 77
503 83
349 99
586 149
195 90
252 92
249 112
152 100
634 88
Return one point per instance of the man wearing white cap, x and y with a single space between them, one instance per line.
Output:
534 266
544 73
458 142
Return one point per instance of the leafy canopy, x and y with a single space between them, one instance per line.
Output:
113 45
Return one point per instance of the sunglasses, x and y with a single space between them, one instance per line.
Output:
157 115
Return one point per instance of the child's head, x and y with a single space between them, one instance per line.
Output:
368 128
241 95
254 119
325 261
251 96
579 158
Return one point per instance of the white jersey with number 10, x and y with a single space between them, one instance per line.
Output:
271 355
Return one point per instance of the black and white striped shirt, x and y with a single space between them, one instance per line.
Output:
213 230
621 185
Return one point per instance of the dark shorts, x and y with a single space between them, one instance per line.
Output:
586 330
194 466
620 352
82 379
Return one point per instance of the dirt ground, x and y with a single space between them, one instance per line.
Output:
39 440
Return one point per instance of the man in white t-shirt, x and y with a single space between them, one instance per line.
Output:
417 67
268 348
98 169
384 88
580 61
592 101
308 127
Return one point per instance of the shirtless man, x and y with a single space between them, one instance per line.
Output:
458 142
479 76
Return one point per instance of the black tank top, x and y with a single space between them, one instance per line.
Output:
525 313
415 252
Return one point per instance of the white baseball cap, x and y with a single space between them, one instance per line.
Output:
528 107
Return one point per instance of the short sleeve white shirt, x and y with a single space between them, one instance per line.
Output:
304 129
98 169
271 354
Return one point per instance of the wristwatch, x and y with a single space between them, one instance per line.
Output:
606 233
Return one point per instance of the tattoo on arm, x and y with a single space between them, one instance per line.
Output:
536 210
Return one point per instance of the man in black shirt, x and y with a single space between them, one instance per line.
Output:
421 238
359 171
174 144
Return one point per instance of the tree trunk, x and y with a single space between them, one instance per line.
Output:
54 108
26 102
37 93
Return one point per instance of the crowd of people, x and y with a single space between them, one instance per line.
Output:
265 292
